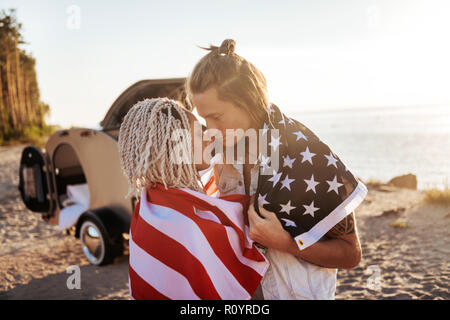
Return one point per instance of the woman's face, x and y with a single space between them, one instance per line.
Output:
196 138
221 115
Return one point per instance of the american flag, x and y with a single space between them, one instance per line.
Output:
188 245
312 189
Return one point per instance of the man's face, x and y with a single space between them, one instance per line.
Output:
220 115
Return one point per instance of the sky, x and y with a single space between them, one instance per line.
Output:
315 54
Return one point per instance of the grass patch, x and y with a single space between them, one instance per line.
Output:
438 196
399 224
374 183
33 135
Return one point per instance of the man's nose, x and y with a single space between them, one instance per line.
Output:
211 125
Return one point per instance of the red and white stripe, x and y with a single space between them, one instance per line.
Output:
209 182
187 245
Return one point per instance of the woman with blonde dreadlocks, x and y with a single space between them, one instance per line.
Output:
183 243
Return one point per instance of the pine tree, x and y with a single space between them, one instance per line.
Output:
20 107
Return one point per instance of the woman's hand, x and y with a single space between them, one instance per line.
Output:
268 231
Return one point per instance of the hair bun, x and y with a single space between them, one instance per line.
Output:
227 47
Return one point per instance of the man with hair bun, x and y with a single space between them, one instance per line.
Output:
302 214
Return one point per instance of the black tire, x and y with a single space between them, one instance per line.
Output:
99 247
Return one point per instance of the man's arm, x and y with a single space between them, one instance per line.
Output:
339 249
344 227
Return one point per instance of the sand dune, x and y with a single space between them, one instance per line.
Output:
410 261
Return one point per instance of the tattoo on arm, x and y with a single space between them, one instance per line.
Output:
345 226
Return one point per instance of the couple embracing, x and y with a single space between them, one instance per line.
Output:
274 221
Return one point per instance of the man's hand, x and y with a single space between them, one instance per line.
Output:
268 231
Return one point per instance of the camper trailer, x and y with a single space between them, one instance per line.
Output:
76 181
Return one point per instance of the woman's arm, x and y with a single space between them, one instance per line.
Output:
341 248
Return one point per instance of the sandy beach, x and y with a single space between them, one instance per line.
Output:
406 253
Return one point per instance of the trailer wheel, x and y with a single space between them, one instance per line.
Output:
98 246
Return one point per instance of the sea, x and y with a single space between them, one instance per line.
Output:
379 143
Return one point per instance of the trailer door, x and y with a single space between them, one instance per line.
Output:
34 181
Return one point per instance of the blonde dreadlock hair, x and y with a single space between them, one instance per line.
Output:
147 148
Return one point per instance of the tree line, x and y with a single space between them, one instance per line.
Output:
22 113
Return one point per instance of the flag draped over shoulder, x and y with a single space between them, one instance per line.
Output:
311 190
187 245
